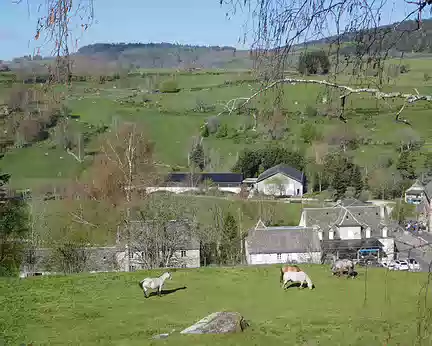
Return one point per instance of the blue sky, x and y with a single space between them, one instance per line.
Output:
201 22
188 21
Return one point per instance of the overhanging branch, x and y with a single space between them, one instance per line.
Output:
378 94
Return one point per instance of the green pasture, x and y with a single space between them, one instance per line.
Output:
377 308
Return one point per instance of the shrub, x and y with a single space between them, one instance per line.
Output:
222 132
310 111
404 68
205 131
169 86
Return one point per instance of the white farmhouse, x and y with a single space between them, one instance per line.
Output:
288 244
281 180
351 228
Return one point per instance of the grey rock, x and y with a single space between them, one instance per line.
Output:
218 323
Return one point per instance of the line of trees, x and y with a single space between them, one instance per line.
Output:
336 171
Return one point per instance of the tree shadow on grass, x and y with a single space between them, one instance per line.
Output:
166 292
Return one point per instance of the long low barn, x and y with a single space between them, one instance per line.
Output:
269 245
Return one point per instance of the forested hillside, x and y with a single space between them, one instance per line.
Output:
168 55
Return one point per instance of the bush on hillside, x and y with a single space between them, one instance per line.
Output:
404 68
314 62
222 131
169 86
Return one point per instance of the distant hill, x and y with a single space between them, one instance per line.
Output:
167 55
406 38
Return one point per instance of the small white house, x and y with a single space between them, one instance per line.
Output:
415 194
270 245
281 180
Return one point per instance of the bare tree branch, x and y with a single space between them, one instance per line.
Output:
378 94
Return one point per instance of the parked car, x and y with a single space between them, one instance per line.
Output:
413 265
387 263
401 265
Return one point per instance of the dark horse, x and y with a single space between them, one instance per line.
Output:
343 267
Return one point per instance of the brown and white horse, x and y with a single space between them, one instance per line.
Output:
288 268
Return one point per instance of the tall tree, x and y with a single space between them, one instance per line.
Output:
356 180
230 243
14 227
405 165
197 156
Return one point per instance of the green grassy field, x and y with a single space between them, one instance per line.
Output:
109 309
172 121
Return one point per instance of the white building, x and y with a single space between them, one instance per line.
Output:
175 236
351 228
270 245
281 180
421 196
415 194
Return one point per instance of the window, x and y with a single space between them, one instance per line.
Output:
183 253
279 256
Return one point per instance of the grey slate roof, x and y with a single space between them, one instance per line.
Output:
365 216
284 169
428 190
416 187
352 202
283 241
355 244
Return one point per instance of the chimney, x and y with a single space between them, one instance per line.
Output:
382 211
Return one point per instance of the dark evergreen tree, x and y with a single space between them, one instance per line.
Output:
405 165
205 131
14 221
356 180
248 163
197 156
230 243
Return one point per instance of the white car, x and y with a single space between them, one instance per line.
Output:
413 265
401 265
389 264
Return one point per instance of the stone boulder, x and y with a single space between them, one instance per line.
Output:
218 323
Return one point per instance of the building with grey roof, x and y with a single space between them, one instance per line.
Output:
421 195
415 193
281 180
268 245
175 243
44 261
350 226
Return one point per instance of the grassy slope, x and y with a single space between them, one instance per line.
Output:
174 128
109 309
